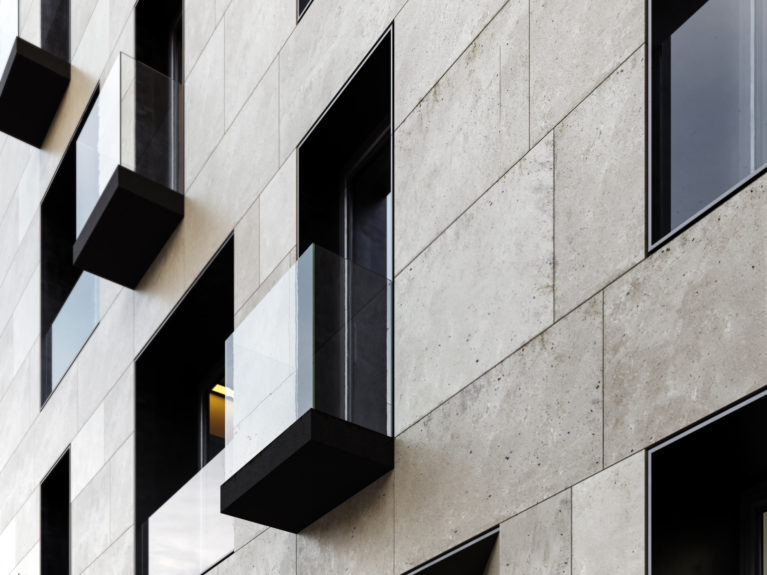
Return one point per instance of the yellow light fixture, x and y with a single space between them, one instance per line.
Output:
221 390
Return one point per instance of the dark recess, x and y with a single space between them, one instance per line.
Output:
468 558
54 520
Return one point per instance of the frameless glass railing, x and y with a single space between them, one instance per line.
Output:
134 124
71 328
42 23
320 339
188 535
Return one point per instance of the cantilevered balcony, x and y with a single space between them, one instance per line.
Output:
128 173
34 59
310 372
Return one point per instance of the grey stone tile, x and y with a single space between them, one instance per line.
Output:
120 412
90 522
600 187
118 559
466 133
537 541
523 432
249 54
87 455
356 537
199 22
684 330
500 251
247 255
278 217
121 489
609 520
573 47
272 552
430 36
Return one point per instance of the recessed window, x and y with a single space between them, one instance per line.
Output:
54 519
708 103
69 298
469 558
708 495
302 6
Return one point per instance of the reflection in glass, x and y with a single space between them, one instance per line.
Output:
73 325
709 103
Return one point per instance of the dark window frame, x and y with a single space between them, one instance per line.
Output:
449 562
658 136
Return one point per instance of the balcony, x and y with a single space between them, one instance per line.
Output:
70 330
188 535
309 368
128 173
34 55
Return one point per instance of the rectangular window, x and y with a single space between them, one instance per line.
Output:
708 106
54 520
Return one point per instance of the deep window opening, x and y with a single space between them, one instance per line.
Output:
709 106
54 27
178 425
302 6
469 558
54 520
345 209
708 496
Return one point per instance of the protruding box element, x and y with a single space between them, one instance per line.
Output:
128 174
310 423
34 57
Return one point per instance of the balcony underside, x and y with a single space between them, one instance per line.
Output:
31 89
317 463
130 224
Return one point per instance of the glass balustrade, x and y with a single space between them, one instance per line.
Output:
188 535
319 339
134 124
71 328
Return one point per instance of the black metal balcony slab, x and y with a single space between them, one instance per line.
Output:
132 220
31 89
317 463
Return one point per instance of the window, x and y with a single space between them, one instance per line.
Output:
302 6
708 495
179 403
54 519
69 298
708 106
469 558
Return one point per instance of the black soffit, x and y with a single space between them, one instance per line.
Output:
31 90
316 464
132 221
468 558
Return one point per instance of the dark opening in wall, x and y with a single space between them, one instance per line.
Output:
345 207
468 558
708 102
159 42
54 27
54 520
302 6
59 277
177 421
708 496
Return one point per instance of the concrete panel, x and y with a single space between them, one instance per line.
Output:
87 452
278 217
500 251
26 321
6 361
356 537
90 522
14 158
240 167
469 130
19 406
609 521
79 15
30 565
204 102
247 255
685 329
199 22
537 541
266 285
120 412
249 54
431 35
106 356
329 43
221 8
600 186
27 525
272 552
122 489
523 432
575 45
118 559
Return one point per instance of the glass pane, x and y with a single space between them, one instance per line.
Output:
54 25
318 339
73 325
9 29
715 70
189 534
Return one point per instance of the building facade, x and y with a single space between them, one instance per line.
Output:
383 287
